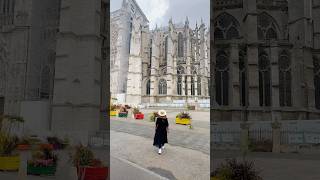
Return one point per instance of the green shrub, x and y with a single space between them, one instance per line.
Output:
7 144
234 170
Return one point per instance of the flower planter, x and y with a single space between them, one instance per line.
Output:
92 173
42 170
113 113
123 114
9 163
183 120
23 147
48 146
139 116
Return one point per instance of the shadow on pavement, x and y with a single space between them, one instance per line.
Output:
163 172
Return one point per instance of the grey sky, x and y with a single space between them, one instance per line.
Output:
159 11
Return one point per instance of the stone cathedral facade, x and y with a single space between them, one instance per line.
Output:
157 66
266 59
53 64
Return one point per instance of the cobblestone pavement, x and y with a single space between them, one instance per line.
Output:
187 139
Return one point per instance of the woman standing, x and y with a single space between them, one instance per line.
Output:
162 125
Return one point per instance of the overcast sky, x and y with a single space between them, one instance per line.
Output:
159 11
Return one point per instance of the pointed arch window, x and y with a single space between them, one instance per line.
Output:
130 35
316 65
222 78
45 83
192 86
284 79
264 80
162 87
148 86
180 45
267 27
179 85
226 27
199 85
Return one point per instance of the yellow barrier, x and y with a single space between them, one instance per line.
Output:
9 163
183 120
113 113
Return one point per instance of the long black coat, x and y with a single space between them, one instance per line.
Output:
160 137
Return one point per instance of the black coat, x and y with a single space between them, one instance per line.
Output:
160 137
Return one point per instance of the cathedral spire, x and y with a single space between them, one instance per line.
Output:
187 22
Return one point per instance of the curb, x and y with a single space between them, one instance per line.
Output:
140 168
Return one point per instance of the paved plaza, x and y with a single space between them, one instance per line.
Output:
185 157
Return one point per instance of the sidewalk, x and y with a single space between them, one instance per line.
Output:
124 170
175 163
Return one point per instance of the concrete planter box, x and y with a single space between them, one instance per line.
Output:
9 163
139 116
92 173
23 147
41 170
123 114
184 121
113 113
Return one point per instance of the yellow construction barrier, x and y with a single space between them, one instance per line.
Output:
9 163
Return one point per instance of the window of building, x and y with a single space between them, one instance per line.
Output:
316 65
199 85
192 86
130 35
148 85
267 27
226 27
45 83
242 77
179 85
284 79
186 85
180 45
162 87
264 80
222 78
166 49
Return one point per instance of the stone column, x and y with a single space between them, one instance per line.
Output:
244 137
274 59
276 137
234 92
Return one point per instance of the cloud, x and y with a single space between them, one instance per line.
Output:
155 10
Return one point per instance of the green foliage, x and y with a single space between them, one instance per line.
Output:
82 156
183 115
153 116
136 110
234 170
7 144
10 120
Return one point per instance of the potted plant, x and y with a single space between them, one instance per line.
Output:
44 162
233 169
153 116
56 143
123 112
137 114
183 118
8 160
88 168
24 144
113 110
